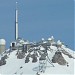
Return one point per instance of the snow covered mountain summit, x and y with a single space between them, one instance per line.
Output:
46 57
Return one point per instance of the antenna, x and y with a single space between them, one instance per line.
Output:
16 24
16 5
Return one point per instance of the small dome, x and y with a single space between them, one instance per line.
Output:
59 43
49 39
43 39
52 37
2 42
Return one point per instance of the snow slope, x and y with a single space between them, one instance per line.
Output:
16 66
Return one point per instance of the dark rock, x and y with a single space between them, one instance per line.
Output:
27 60
2 61
58 58
34 59
20 55
5 56
37 73
21 67
66 53
43 57
2 58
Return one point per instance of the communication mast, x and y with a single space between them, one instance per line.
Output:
16 24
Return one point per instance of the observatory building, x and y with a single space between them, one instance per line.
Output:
2 45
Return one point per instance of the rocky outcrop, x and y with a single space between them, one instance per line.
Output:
58 58
2 61
66 53
20 55
27 60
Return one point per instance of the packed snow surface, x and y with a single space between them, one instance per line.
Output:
16 66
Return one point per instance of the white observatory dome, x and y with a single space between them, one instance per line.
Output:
43 39
52 37
59 42
2 42
49 39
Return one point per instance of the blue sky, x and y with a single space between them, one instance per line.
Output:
37 19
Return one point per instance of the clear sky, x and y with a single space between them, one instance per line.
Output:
38 19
